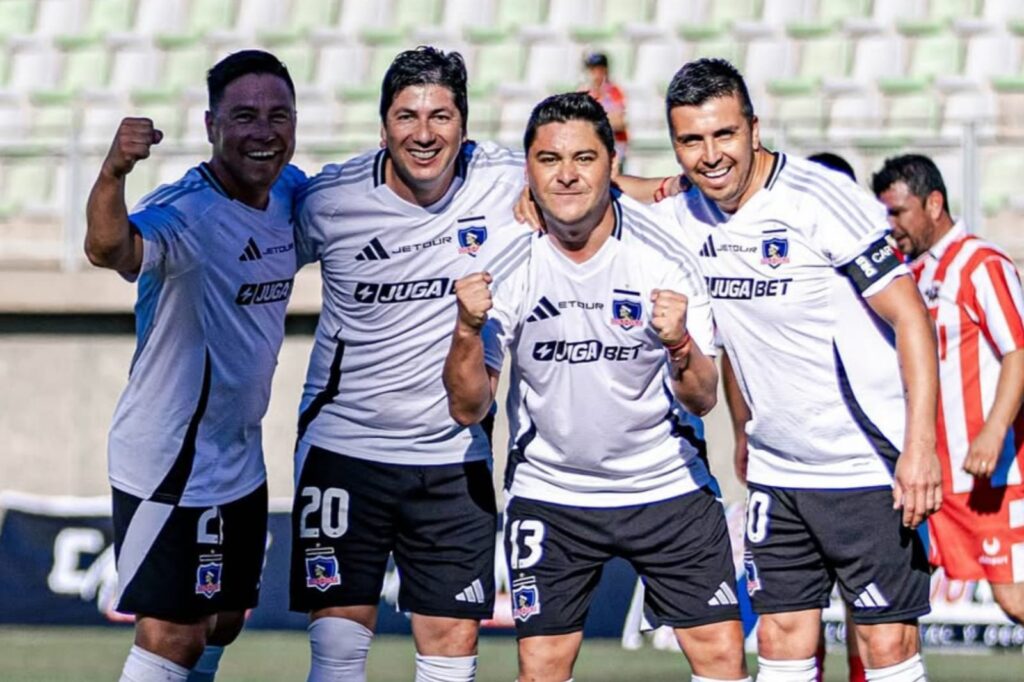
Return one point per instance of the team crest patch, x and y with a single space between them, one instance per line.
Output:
775 251
753 580
322 569
471 238
208 575
525 598
627 312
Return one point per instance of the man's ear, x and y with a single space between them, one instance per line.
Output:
933 204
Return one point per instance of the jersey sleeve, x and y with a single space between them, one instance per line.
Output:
851 230
308 234
507 298
998 303
164 239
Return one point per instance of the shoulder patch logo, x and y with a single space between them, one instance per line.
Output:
775 251
208 574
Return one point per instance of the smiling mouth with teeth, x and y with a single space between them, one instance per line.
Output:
424 154
261 155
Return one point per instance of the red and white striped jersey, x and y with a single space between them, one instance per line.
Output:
973 291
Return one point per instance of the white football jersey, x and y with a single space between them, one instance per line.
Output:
374 389
593 420
787 275
215 280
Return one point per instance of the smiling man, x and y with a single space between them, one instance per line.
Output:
214 255
608 326
381 467
818 317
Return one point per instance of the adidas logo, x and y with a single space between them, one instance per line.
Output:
373 251
543 310
473 594
871 598
724 596
251 251
708 250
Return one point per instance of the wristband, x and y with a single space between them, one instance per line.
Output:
660 193
680 344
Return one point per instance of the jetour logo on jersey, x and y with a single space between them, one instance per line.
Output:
578 352
627 312
257 293
401 292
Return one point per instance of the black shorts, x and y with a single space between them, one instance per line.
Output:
183 563
438 521
680 547
799 542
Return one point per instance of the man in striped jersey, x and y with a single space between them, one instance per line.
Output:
214 256
973 292
607 324
381 467
817 316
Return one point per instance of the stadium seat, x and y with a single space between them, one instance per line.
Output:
302 18
135 66
932 51
58 17
185 62
205 16
1002 169
494 64
28 183
796 106
566 14
657 61
515 14
18 18
877 56
911 108
108 16
86 64
1002 10
836 11
948 10
160 16
33 66
554 66
339 65
710 41
359 111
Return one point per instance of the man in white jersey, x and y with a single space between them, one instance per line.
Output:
381 467
598 322
817 317
973 292
214 256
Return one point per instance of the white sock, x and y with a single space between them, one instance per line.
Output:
799 670
910 670
205 669
698 678
338 650
145 666
445 668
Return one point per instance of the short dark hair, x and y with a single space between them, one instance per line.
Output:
835 162
570 106
426 66
704 79
918 171
596 59
239 64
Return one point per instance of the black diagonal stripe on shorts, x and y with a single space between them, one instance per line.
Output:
326 395
883 446
173 485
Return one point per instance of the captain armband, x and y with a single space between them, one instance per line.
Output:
870 267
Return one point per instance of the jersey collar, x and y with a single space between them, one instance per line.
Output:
955 234
207 174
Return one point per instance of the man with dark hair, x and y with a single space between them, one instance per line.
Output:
608 325
214 256
610 96
973 292
817 317
381 467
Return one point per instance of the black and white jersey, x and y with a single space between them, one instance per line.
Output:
593 420
215 280
374 389
787 275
